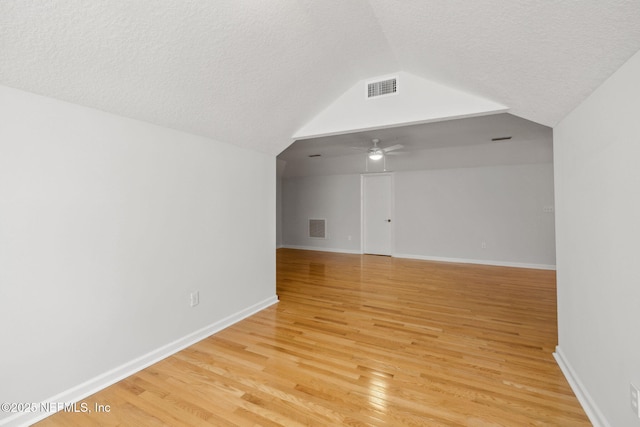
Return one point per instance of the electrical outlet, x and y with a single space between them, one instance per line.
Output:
348 237
635 400
194 298
483 245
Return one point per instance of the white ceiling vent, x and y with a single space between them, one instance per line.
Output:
383 87
317 228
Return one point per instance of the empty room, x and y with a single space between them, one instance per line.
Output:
304 213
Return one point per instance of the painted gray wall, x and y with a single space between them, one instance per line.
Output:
280 165
449 213
335 198
443 210
106 225
597 148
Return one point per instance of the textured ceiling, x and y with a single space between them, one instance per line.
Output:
253 72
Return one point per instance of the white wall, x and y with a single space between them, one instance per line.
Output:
335 198
597 149
106 225
417 100
439 213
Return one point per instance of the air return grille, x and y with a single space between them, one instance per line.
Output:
383 87
317 228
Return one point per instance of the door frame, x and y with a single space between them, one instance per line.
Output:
392 209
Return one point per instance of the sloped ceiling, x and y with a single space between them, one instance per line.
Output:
253 72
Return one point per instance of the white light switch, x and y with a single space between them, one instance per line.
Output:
195 298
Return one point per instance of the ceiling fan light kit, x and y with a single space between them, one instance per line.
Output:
375 155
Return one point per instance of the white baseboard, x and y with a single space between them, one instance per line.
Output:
321 249
478 261
82 391
431 258
590 408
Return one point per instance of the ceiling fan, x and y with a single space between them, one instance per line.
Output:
377 153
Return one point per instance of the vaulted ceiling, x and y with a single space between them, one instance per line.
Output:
253 72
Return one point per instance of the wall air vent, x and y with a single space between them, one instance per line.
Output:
501 138
383 87
317 228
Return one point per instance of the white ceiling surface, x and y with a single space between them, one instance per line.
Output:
458 143
253 72
451 133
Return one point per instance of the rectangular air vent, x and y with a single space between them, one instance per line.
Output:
383 87
317 228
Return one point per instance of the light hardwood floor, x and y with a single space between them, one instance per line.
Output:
365 340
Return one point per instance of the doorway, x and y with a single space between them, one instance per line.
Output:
377 214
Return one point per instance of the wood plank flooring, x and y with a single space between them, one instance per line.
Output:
365 341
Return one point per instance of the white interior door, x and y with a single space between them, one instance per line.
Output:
377 229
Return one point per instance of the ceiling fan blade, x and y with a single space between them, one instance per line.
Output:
395 153
393 147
